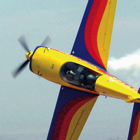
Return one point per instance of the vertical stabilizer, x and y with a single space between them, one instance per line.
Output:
134 130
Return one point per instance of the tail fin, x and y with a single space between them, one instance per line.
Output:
134 130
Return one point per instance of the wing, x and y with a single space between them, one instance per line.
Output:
134 131
72 110
93 39
92 44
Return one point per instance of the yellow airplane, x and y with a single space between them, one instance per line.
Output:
82 74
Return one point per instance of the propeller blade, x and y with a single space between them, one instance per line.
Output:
20 68
23 43
46 41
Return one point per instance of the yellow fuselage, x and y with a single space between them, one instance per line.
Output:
48 64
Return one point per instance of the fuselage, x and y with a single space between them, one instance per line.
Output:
73 72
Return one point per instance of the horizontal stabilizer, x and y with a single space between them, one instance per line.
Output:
132 100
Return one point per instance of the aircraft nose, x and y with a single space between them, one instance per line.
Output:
28 55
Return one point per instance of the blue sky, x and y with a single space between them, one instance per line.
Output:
27 102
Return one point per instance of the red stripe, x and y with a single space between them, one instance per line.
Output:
134 125
65 116
92 27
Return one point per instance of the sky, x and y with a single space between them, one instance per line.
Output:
27 102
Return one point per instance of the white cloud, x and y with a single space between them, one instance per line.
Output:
126 62
126 68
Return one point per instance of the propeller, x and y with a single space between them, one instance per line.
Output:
24 45
20 68
46 41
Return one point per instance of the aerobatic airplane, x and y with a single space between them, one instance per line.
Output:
82 74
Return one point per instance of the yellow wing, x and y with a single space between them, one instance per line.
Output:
79 119
93 39
105 31
72 110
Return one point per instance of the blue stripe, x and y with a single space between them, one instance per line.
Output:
79 47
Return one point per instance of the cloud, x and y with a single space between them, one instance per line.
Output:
126 68
126 62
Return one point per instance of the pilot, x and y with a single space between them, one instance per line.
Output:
90 78
88 81
70 75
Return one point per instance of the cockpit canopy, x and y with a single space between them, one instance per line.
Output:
78 75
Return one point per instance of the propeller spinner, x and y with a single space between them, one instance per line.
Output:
24 44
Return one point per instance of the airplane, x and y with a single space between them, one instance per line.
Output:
82 74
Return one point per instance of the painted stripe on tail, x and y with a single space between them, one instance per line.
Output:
134 130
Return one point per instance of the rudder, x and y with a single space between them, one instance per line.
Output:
134 130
